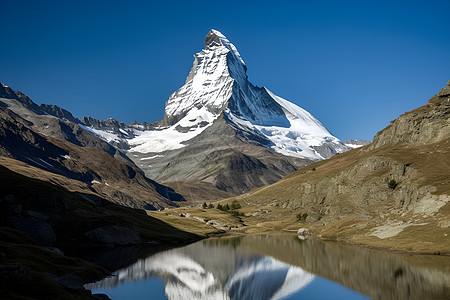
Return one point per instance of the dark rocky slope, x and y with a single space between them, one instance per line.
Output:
64 148
40 221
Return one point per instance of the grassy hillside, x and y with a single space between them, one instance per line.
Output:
391 194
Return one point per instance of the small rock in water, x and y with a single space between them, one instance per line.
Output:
303 233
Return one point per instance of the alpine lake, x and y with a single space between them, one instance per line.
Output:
269 267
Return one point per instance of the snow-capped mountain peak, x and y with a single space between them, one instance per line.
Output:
215 38
210 81
218 85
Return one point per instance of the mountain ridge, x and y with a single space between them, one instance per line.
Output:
219 131
217 94
64 148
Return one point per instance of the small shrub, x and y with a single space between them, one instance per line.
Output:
235 205
302 217
392 184
236 213
226 207
211 205
313 169
219 206
204 205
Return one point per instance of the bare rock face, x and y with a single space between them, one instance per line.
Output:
427 124
59 112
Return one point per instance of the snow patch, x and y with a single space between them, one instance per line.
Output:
48 164
152 157
104 135
353 146
154 141
45 165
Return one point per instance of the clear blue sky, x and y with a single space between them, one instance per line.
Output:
355 65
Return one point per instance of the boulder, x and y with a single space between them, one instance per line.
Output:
303 233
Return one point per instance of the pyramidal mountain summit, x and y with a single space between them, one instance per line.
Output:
217 86
220 132
220 136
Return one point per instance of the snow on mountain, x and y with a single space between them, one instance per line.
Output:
355 143
218 84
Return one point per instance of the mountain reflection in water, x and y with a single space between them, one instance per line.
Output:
278 267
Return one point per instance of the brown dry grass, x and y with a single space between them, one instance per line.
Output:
429 166
190 224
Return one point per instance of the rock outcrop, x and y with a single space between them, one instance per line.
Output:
425 125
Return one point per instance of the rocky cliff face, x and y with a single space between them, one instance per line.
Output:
425 125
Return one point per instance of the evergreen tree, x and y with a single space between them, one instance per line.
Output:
235 205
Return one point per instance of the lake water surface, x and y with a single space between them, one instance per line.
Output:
273 267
